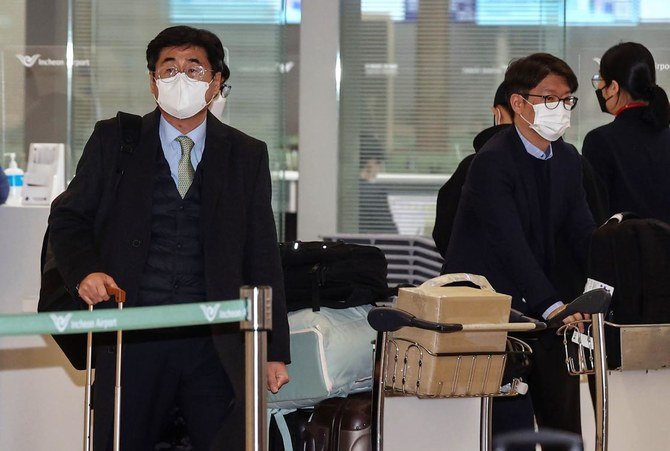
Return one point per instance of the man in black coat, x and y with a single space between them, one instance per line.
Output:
450 193
187 219
523 191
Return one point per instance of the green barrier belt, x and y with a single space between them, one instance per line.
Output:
132 318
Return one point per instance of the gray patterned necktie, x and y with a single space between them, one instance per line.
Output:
185 171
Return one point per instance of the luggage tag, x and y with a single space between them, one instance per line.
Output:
582 339
592 284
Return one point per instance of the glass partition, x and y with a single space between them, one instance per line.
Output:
418 78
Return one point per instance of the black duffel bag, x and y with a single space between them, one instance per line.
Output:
332 274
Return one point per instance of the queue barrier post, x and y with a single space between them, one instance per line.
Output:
259 321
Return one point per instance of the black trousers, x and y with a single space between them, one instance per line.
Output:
161 370
553 395
230 345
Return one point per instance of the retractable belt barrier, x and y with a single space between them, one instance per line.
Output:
107 320
254 311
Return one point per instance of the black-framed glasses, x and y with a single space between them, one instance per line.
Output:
193 71
551 101
595 80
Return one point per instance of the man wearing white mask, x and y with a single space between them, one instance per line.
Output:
187 218
523 191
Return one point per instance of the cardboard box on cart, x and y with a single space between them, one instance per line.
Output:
449 364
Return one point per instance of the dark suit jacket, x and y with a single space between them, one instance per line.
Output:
103 221
450 193
632 157
498 228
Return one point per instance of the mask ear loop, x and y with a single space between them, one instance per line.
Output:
521 115
216 94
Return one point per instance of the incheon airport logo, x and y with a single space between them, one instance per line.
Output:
27 60
215 311
61 321
65 322
30 60
210 311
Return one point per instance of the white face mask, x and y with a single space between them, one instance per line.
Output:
549 124
181 97
217 106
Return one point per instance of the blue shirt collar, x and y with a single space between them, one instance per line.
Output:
169 133
533 150
172 149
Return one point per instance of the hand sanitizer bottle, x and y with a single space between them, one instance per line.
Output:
15 176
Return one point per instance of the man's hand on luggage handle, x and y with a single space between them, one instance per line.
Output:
572 318
93 289
277 376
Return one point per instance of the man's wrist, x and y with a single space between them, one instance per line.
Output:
553 309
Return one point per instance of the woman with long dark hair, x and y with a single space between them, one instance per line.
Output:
632 153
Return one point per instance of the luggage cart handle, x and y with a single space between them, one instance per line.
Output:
387 319
593 302
516 316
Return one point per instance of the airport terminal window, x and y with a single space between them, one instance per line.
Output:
418 78
44 99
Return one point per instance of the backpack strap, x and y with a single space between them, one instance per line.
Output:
130 126
282 426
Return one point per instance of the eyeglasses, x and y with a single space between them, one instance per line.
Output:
551 102
595 81
192 71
